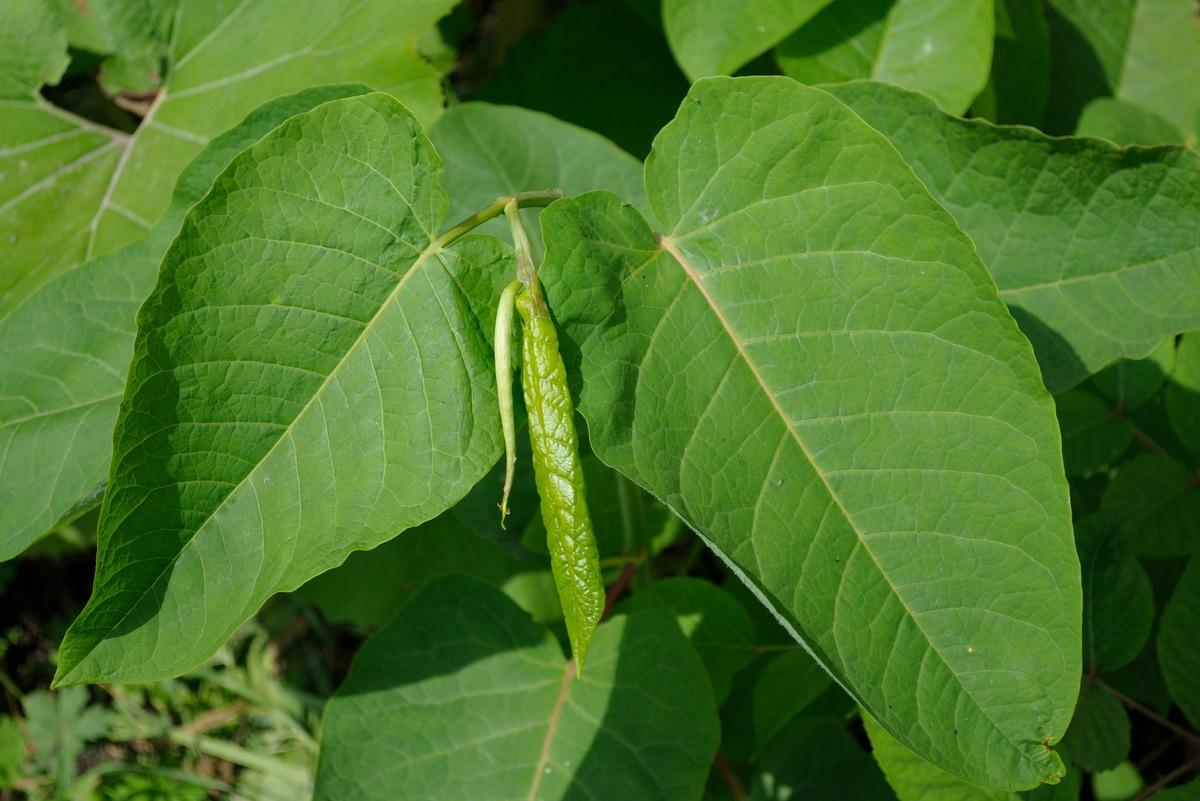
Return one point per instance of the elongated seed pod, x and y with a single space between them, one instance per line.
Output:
504 376
574 558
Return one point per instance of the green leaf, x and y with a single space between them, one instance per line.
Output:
816 758
788 684
775 369
1020 78
715 37
83 191
1093 438
498 150
60 385
1121 783
1156 498
915 779
308 379
59 725
714 623
1133 50
940 47
1099 737
1126 123
463 696
1130 383
12 751
596 65
1178 646
1118 599
1081 236
371 586
33 49
1183 393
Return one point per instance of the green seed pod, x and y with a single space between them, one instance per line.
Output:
504 318
574 558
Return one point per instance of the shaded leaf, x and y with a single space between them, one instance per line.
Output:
1081 236
1020 79
371 586
1099 736
60 385
1129 383
498 150
1092 436
463 696
1129 49
597 65
816 758
1187 792
1178 645
788 684
775 368
1118 599
1126 123
940 47
1156 498
715 37
1183 393
714 623
282 407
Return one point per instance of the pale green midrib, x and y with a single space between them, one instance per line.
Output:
1100 276
559 703
669 246
435 246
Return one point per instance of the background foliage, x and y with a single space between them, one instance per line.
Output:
842 336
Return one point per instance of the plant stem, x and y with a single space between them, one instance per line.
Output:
524 200
11 687
240 756
731 780
1191 764
619 586
1191 737
633 521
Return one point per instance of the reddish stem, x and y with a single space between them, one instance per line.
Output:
731 779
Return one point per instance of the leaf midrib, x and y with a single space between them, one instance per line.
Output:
668 244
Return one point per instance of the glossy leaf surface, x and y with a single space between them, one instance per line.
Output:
940 47
463 696
308 379
60 385
1081 236
813 369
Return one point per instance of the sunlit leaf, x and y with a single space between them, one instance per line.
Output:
812 367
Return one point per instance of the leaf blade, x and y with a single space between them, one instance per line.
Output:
249 367
785 481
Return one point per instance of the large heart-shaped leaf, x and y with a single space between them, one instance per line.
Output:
463 696
813 368
940 47
78 191
1081 236
308 379
60 385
